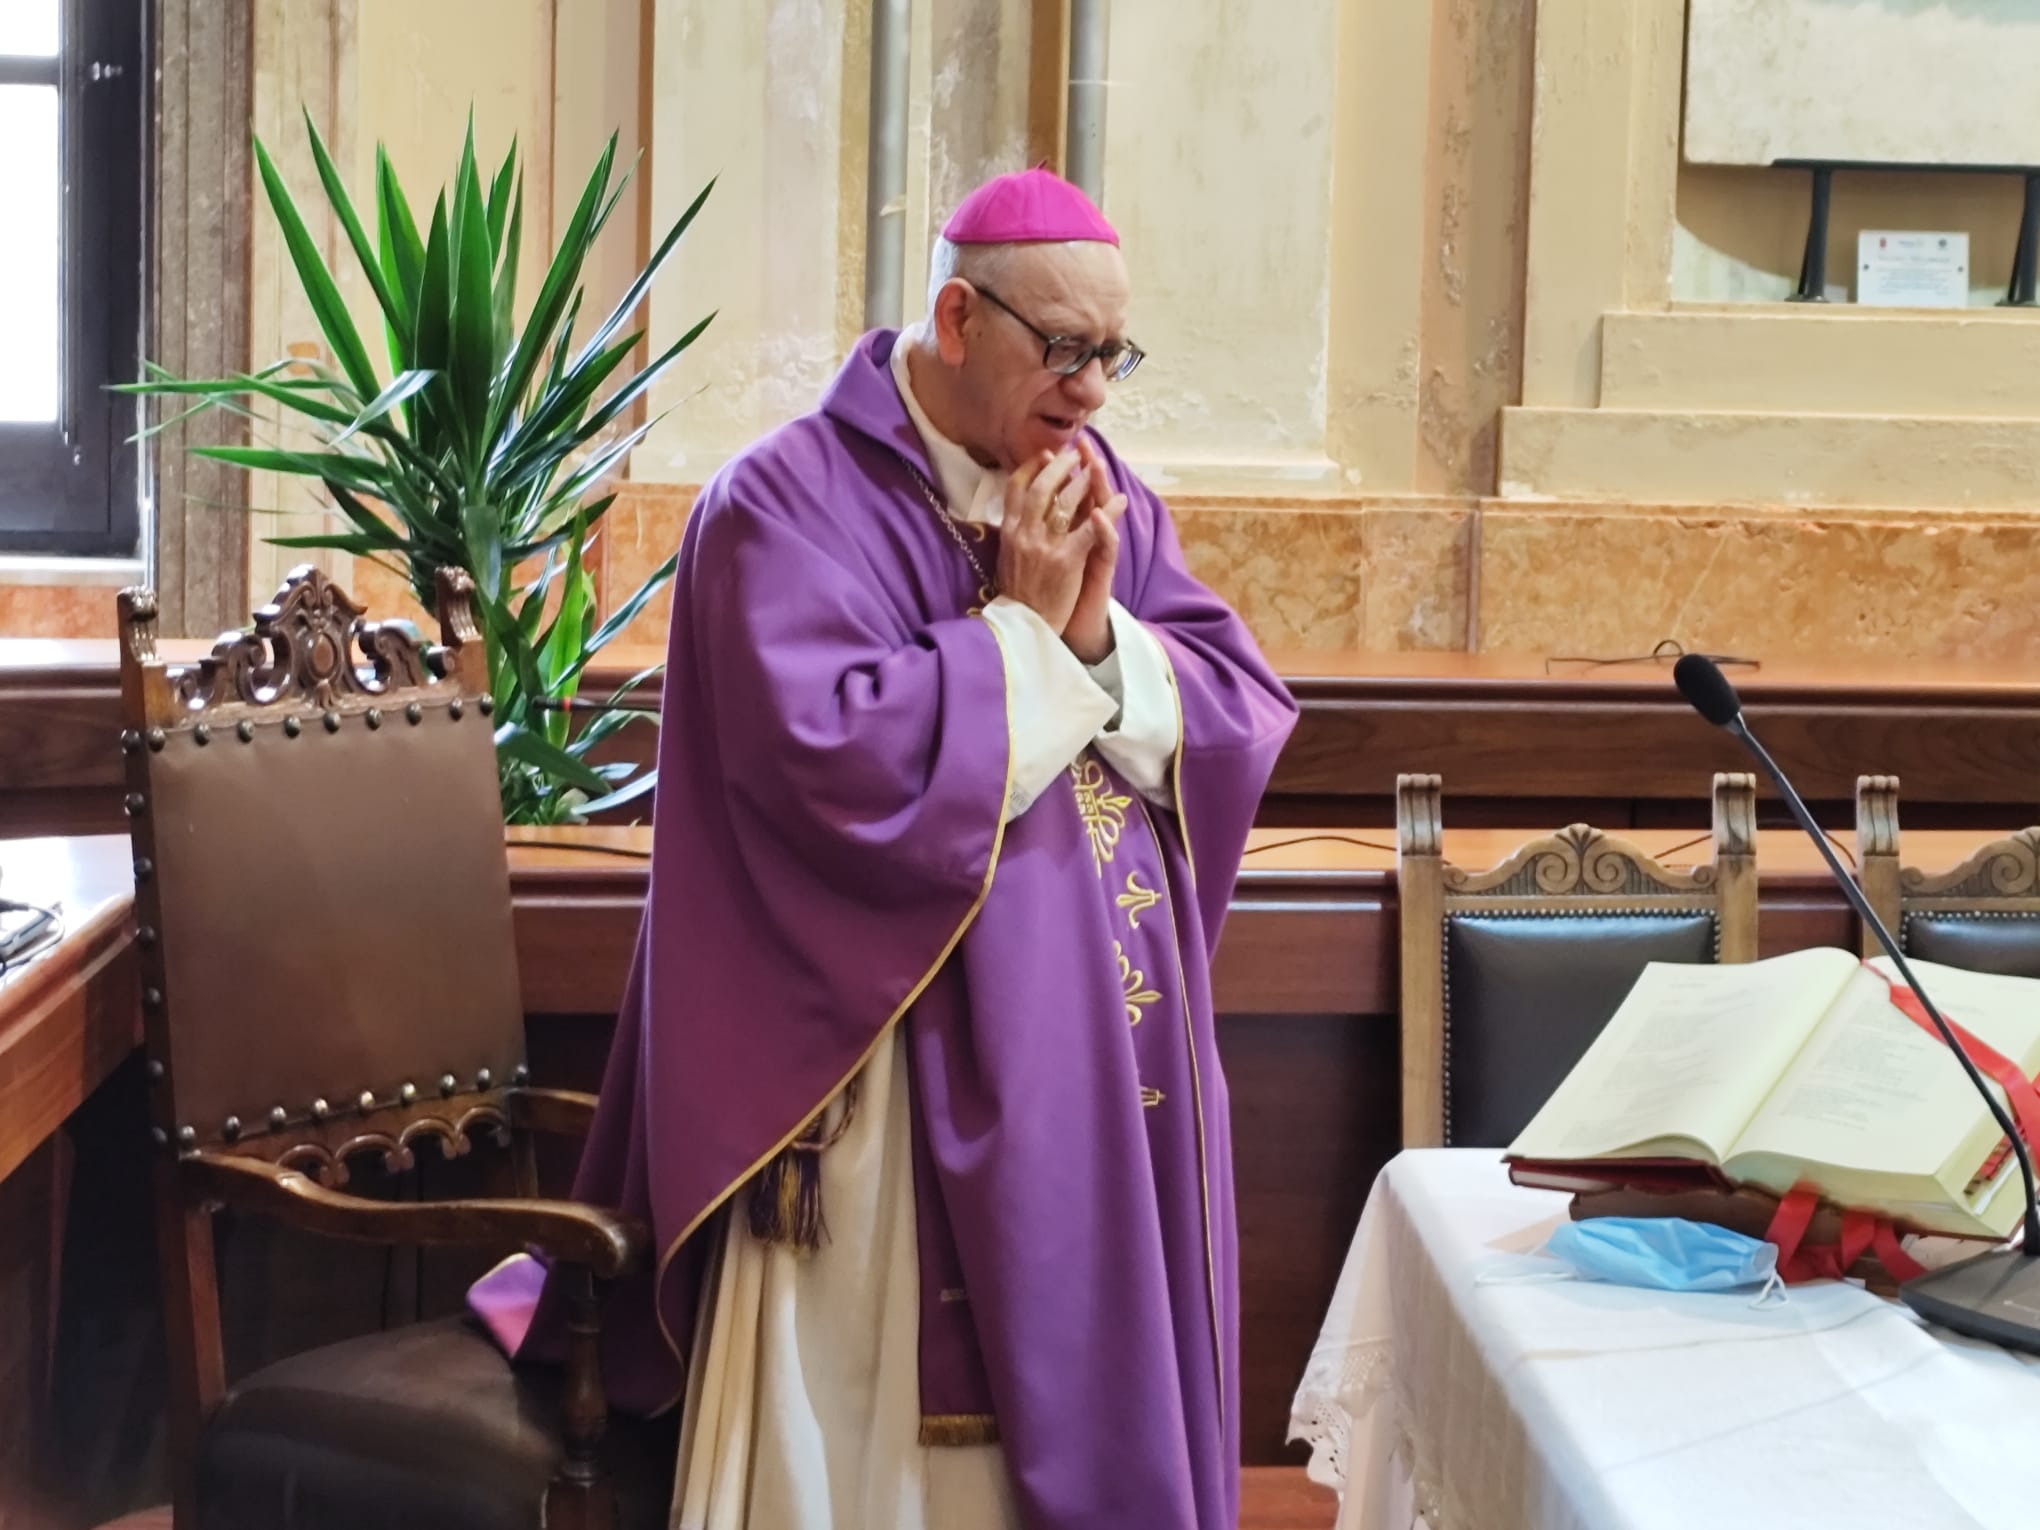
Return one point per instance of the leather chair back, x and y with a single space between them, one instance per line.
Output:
1509 974
1983 914
322 888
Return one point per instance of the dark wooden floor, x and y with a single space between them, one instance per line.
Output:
1271 1498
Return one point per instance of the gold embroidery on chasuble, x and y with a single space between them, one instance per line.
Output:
1138 995
1150 1098
1103 810
1136 900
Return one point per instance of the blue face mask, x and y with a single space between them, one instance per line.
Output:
1664 1253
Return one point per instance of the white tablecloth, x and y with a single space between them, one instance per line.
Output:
1444 1393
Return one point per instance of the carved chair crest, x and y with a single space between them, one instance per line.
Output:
313 647
1998 879
1579 866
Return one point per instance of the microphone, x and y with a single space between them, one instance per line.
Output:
1993 1296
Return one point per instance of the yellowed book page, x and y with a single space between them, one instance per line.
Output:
1690 1054
1875 1094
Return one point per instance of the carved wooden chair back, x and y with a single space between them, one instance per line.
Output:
1983 914
1509 974
322 887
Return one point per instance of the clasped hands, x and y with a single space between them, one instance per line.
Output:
1059 545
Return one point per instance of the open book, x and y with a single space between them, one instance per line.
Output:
1797 1068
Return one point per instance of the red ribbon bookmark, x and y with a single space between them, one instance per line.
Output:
1861 1231
1993 1064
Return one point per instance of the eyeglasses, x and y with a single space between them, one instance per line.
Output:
1067 355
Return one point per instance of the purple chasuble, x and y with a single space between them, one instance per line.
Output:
829 859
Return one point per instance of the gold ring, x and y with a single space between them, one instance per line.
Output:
1060 521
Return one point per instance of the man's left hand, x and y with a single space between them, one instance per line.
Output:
1089 632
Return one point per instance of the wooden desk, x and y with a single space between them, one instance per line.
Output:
68 1014
1517 740
1502 728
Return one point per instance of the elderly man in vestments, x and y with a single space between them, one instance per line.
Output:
916 1079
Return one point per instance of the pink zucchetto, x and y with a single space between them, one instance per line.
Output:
1028 207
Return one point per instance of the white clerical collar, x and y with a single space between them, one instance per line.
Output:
973 493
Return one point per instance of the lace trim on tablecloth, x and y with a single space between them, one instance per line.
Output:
1340 1386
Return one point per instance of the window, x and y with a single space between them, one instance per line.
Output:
71 77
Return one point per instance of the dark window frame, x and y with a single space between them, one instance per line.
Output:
71 488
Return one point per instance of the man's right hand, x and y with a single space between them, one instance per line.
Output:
1041 562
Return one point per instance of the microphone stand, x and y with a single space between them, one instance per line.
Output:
1994 1296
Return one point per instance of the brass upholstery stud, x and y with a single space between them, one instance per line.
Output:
519 1074
157 739
202 734
292 727
332 722
152 998
367 1101
186 1136
245 731
455 707
158 1136
447 1084
408 1093
136 804
487 704
374 718
278 1118
146 936
130 741
144 869
231 1129
414 714
155 1070
484 1079
320 1109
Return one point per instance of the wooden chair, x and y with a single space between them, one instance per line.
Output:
323 911
1983 914
1509 974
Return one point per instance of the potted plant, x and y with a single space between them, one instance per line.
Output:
484 447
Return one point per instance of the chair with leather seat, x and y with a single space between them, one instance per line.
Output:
329 972
1509 974
1983 914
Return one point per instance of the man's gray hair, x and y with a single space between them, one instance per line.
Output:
979 264
975 263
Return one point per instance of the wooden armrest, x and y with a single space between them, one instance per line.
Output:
556 1112
600 1241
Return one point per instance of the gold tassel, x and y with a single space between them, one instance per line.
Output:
786 1197
959 1429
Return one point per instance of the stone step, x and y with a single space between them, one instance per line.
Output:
1797 359
1682 456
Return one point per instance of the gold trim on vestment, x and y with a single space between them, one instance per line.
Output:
1197 1100
1176 768
969 918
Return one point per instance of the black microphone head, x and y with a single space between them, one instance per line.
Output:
1706 689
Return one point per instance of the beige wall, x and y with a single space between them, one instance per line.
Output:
1225 214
